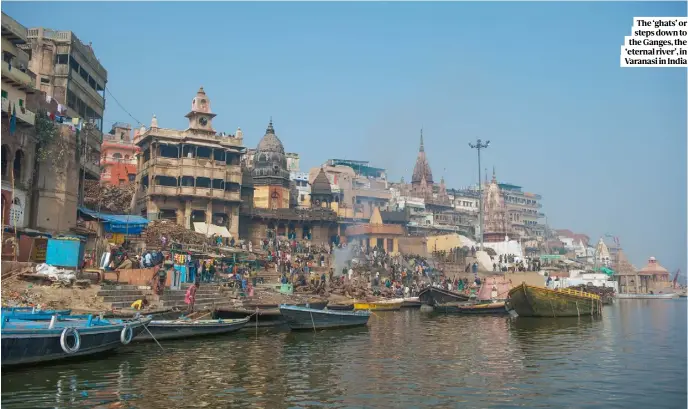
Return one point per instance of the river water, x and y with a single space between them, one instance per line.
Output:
633 357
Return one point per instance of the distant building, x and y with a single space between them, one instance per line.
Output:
302 188
524 210
118 160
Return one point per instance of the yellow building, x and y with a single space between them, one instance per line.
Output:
376 234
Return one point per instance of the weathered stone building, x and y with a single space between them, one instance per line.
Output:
191 175
496 223
267 209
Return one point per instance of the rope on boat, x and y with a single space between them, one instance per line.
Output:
153 336
312 321
577 310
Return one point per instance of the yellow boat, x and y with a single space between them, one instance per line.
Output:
388 305
532 301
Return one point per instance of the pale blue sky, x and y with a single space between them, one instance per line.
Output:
605 146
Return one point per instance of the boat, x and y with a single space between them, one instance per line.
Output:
411 302
433 295
32 314
494 308
30 342
301 318
257 317
385 305
633 296
185 328
532 301
340 307
315 304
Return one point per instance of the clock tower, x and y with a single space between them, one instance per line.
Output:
201 117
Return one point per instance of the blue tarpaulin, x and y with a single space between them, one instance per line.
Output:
118 223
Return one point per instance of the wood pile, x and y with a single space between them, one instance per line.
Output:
173 232
107 198
601 291
357 289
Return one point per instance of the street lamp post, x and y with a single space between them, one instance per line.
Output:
478 145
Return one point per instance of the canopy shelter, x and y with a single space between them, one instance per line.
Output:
211 230
118 223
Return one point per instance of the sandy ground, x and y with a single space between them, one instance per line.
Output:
19 293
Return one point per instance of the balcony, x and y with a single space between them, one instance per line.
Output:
18 78
163 190
23 114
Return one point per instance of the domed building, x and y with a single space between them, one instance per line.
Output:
270 175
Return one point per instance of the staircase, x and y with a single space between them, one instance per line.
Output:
123 295
208 296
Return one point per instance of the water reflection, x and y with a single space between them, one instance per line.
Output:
405 359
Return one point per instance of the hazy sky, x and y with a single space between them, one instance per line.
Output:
604 145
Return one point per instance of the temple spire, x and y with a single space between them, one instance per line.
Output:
494 174
422 146
270 129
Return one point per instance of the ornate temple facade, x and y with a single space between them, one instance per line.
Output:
496 223
190 176
269 206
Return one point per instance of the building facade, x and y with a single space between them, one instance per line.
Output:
18 125
118 156
524 210
191 175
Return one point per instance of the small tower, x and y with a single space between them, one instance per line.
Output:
321 190
154 122
201 116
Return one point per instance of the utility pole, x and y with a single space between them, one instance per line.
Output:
478 145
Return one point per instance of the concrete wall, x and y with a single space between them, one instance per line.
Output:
413 245
262 197
57 186
443 242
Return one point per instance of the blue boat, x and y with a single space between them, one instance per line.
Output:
28 342
32 314
302 318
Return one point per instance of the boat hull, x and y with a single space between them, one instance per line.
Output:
378 306
627 296
299 318
259 318
531 301
411 302
316 305
23 346
176 329
498 308
432 295
340 307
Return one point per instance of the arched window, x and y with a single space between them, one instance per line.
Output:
117 156
126 157
18 164
5 160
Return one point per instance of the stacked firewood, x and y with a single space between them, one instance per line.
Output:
601 291
173 233
107 198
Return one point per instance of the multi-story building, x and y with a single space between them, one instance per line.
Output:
302 194
357 187
524 210
18 132
191 175
118 156
69 72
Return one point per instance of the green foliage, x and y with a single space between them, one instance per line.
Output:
46 133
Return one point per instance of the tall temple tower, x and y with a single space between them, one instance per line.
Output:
270 175
421 180
496 226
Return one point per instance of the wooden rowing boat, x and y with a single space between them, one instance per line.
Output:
433 295
386 305
495 308
532 301
176 329
411 302
301 318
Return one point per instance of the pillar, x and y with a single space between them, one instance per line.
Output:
209 211
233 221
187 214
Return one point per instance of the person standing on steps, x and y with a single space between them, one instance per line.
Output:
190 298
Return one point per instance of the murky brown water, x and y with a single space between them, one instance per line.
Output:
634 357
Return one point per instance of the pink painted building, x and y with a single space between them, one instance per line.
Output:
118 156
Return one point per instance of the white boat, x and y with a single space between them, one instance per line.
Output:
631 296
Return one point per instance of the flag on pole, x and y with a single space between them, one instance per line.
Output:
13 120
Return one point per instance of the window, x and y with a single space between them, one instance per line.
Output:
63 58
83 74
4 94
116 156
45 80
